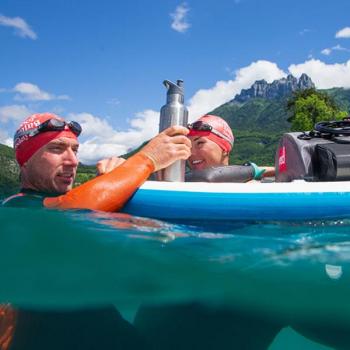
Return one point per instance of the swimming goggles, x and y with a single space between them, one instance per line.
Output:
201 126
51 125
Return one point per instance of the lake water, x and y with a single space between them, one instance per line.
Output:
296 273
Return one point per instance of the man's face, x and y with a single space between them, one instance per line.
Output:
205 153
53 167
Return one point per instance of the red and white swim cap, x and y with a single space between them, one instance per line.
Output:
25 145
225 141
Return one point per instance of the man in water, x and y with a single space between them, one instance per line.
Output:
46 149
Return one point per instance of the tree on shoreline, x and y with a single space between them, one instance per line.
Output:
308 107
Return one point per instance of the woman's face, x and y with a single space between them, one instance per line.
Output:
206 153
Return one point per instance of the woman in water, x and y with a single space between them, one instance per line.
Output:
212 141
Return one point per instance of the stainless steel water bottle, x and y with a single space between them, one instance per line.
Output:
173 113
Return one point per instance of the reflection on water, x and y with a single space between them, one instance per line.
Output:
296 273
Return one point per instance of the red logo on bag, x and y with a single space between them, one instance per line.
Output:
282 164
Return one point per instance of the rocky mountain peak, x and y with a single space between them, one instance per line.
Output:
277 89
305 80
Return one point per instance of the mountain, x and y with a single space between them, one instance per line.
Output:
262 107
258 116
277 89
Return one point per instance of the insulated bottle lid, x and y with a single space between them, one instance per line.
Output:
174 88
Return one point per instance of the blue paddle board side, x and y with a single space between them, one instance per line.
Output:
231 205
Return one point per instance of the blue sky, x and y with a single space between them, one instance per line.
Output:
102 63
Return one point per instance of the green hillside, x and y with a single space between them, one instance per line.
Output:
85 173
341 97
259 123
9 172
256 114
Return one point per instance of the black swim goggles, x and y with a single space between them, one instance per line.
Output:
201 126
51 125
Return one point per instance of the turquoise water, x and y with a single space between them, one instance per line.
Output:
295 273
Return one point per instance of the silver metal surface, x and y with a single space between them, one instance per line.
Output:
172 113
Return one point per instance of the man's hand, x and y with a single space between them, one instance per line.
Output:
169 146
106 165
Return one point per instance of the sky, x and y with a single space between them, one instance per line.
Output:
102 63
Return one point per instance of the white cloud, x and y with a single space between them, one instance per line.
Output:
14 113
31 92
105 141
343 33
113 101
180 22
93 126
5 139
328 51
21 27
340 48
324 75
206 100
304 31
147 120
91 151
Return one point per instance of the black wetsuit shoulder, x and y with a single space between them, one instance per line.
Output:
225 173
27 198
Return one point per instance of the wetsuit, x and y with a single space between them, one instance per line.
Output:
27 198
89 329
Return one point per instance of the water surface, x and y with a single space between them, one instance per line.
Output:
296 272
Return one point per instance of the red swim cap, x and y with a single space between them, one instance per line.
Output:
26 145
225 141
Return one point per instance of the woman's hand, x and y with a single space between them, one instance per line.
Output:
106 165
